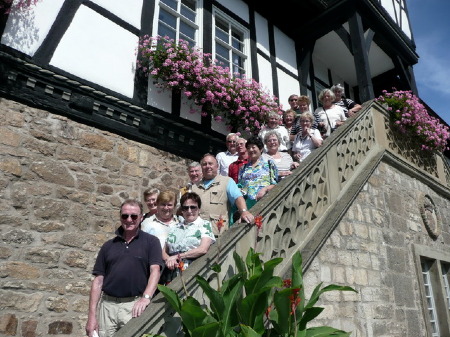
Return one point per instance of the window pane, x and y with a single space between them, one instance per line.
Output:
187 30
167 18
222 51
164 30
171 3
188 10
223 62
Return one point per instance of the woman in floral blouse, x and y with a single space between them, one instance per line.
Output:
189 239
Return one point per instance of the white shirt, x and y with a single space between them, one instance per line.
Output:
282 132
336 113
224 159
304 146
158 228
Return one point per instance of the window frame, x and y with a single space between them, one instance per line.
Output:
197 25
436 258
233 24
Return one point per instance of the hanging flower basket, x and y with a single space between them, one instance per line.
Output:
410 118
241 103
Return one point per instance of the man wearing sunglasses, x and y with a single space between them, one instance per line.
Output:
126 273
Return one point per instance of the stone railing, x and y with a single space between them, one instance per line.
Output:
301 211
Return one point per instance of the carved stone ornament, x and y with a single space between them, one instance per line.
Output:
429 216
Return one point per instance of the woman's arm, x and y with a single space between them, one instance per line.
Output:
199 251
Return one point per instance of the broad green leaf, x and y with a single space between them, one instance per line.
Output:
297 274
215 298
247 331
308 315
325 331
317 292
231 295
253 306
171 297
283 307
264 278
192 314
207 330
254 266
240 264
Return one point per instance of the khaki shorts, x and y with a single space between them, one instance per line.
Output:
114 313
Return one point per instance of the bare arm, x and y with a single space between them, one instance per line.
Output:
246 216
143 303
172 261
94 298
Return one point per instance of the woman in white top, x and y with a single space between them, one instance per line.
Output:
282 160
307 140
331 115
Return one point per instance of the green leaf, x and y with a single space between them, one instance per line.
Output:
231 294
325 331
208 330
253 307
171 297
215 298
283 308
308 315
265 278
192 314
254 266
240 265
317 292
247 331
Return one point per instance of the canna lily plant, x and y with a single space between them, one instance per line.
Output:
241 103
412 119
254 302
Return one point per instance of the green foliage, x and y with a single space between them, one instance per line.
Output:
254 303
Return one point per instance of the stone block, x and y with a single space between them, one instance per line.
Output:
50 209
396 258
53 172
39 255
96 142
132 170
19 270
18 236
11 117
26 302
8 324
57 304
10 137
60 328
404 291
75 154
105 189
76 259
36 146
5 252
11 166
47 226
29 328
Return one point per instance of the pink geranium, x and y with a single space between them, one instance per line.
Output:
411 118
232 98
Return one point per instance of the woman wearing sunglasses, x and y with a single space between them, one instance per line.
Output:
189 239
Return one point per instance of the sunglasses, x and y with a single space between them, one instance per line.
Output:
293 100
133 216
185 208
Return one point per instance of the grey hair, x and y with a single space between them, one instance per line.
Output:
272 133
232 135
326 91
194 164
338 88
274 114
307 115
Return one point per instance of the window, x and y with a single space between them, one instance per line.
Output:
435 289
230 44
178 19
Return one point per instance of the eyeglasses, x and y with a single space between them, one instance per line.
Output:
293 100
133 216
185 208
231 141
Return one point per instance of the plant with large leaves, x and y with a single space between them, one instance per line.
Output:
254 302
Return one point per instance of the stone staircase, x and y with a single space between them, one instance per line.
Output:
302 211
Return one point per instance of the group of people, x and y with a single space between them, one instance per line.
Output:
150 248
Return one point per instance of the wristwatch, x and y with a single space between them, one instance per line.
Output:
243 210
147 296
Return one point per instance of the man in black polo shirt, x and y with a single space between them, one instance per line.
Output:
126 273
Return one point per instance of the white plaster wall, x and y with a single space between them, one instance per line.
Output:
265 73
238 7
405 25
103 53
262 34
189 110
287 86
285 51
158 98
320 69
389 7
219 127
129 10
25 30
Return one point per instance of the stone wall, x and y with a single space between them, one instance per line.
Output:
61 185
372 249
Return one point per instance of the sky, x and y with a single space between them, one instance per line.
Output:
431 32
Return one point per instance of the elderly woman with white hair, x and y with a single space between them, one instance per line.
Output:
331 115
350 107
282 160
273 124
307 140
